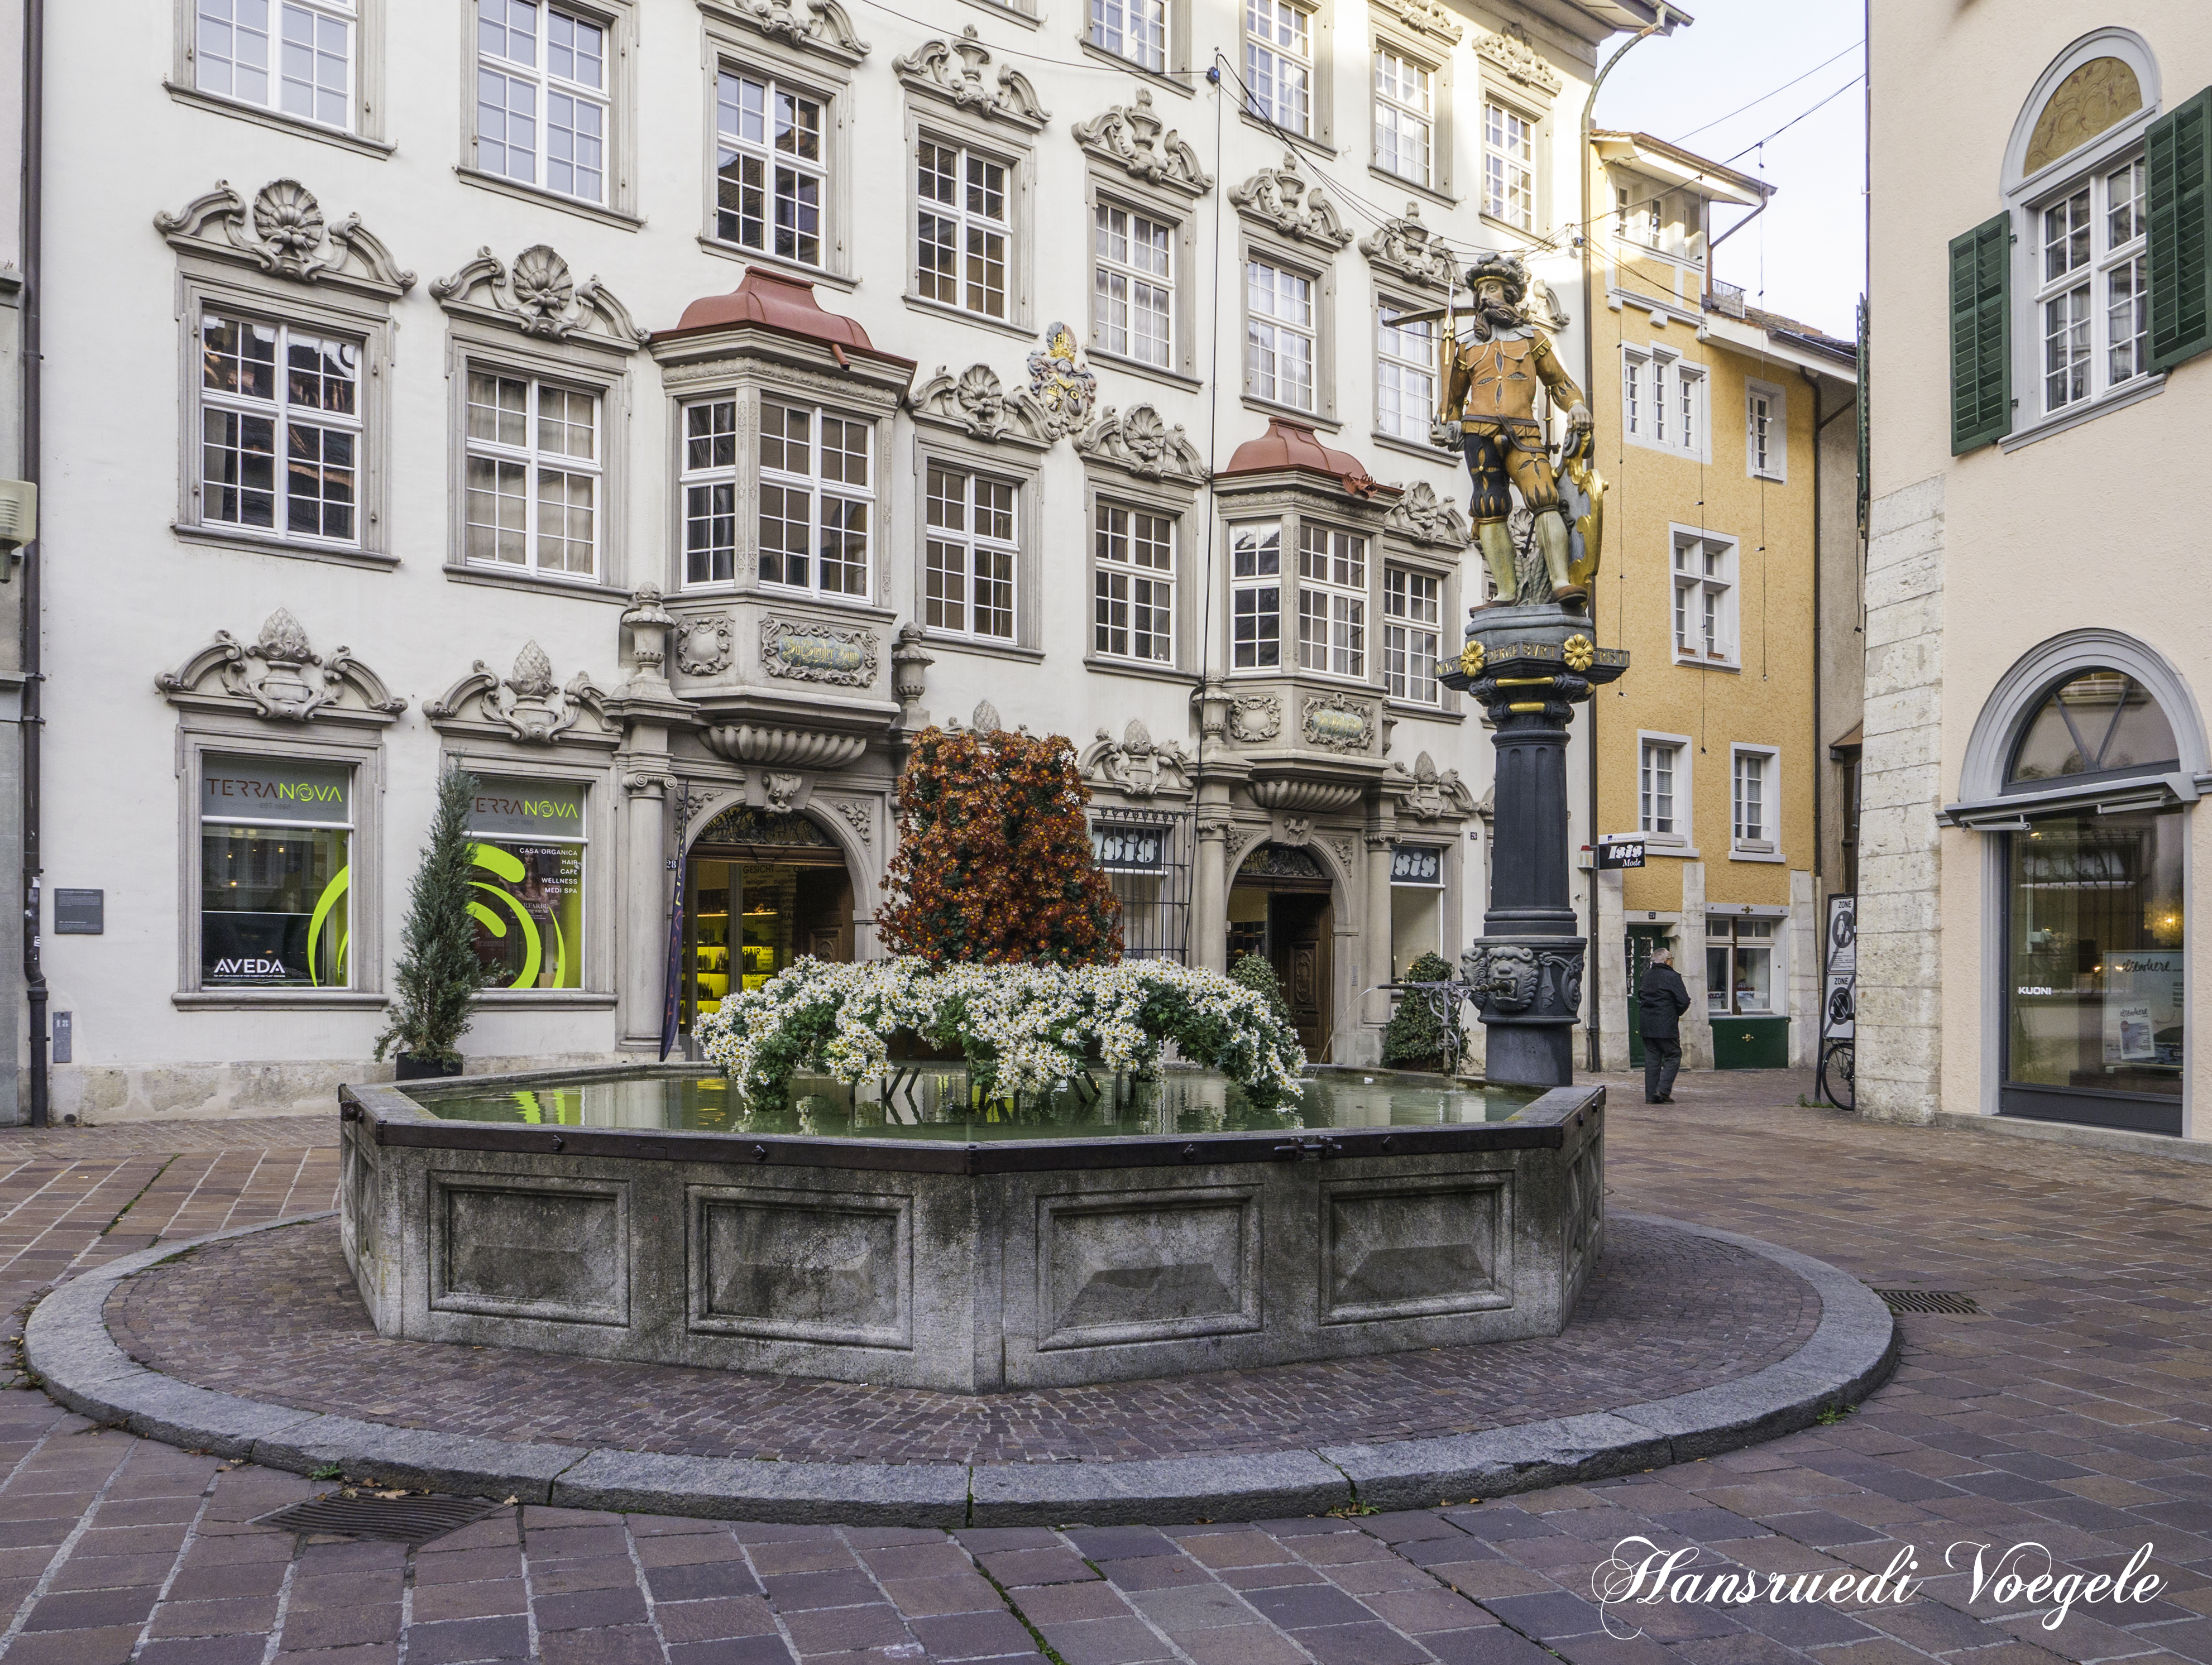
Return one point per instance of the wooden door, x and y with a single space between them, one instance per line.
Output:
823 926
1299 933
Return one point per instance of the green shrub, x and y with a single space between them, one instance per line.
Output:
1414 1039
438 972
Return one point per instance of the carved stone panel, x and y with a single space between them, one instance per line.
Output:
1338 724
1407 1248
1130 135
817 25
1255 717
830 1267
704 646
1287 202
555 1249
802 651
1512 50
1142 442
1149 1266
281 677
1425 518
1408 249
529 704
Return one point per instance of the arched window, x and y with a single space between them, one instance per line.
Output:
2095 722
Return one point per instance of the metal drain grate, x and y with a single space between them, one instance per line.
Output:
1955 1302
413 1520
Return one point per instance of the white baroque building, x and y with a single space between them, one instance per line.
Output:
665 407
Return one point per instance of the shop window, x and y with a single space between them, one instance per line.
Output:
529 876
275 846
2096 956
1739 966
1416 880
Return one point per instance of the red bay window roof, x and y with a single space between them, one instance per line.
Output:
771 300
1288 444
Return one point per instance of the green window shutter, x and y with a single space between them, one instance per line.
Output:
2178 192
1981 335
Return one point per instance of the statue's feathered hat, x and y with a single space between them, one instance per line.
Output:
1505 269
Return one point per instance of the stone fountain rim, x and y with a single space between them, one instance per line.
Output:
1850 1353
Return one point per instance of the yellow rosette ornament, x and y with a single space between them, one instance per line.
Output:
1580 652
1470 658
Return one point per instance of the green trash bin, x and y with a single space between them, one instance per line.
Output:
1751 1043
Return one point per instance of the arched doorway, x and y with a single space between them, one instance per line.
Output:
761 889
1281 906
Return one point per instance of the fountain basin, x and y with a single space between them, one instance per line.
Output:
1175 1232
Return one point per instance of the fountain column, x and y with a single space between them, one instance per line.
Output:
1530 666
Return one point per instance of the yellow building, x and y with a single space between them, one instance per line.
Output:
1721 429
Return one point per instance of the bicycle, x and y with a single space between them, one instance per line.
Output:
1838 1062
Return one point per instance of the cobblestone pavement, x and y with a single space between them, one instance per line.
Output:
2072 1412
1666 1313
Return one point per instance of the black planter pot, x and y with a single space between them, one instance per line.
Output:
408 1068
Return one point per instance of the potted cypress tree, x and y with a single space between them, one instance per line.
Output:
438 972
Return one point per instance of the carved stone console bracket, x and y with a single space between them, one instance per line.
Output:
281 677
749 742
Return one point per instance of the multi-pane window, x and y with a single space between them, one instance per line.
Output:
1332 602
1404 375
2092 299
968 554
1135 583
532 475
1404 116
962 230
1705 599
1739 965
1762 430
1413 617
1633 414
1278 335
817 501
542 97
1135 284
1279 63
1134 29
280 429
1655 810
1255 595
1509 167
769 168
1662 401
1752 820
292 56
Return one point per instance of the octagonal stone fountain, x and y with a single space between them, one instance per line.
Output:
899 1236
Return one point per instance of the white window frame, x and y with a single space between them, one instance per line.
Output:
212 25
730 146
277 411
1412 633
2092 370
1405 115
966 224
1279 63
1131 277
546 86
1762 842
1335 569
744 476
1765 425
1138 31
1705 597
1257 580
1662 394
1681 841
1265 333
969 546
1503 172
534 461
1404 379
1126 588
2029 196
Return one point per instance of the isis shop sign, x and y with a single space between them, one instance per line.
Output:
1129 849
1417 864
1617 850
528 808
268 789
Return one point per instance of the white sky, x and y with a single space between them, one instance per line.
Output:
1806 256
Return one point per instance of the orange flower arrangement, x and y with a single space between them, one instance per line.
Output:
994 865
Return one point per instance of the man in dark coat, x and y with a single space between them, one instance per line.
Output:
1663 999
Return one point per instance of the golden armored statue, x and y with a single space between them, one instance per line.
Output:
1490 382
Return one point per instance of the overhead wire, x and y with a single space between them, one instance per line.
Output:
1717 120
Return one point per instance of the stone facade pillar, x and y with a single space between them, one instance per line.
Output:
1690 962
1209 894
1900 1043
1611 983
642 946
1807 931
1375 963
